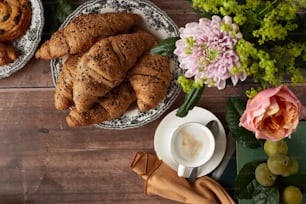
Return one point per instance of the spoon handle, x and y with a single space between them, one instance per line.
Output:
193 176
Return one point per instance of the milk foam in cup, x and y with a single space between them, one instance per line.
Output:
192 145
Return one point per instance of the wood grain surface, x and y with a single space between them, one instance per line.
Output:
42 160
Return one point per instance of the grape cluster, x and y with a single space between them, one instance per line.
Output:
279 163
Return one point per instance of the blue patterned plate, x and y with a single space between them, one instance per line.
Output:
157 23
28 43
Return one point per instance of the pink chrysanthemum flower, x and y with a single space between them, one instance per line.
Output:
206 51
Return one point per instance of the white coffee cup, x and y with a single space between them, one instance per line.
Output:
192 145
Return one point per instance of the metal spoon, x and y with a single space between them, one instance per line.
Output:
193 175
214 128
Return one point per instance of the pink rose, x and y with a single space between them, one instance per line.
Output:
273 113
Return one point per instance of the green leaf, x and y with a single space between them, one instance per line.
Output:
244 182
202 13
234 109
298 35
63 9
58 10
298 180
165 47
51 24
246 186
265 195
190 101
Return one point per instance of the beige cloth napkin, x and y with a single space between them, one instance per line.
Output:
162 180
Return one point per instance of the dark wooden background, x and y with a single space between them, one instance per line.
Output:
42 160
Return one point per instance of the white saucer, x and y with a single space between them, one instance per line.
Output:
171 122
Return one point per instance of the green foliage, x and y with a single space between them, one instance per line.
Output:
274 37
165 47
298 180
191 99
272 19
245 182
246 186
186 84
63 9
234 109
55 14
266 195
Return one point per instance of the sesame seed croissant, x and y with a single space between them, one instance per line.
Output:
106 64
63 98
150 79
111 106
83 31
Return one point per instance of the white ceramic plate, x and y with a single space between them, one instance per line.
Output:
28 43
157 23
171 122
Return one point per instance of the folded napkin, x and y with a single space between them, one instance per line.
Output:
162 180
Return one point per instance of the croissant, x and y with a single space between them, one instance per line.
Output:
63 98
83 31
111 106
105 65
7 54
150 79
15 18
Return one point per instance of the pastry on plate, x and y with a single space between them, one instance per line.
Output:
15 18
63 98
85 30
8 54
111 106
105 66
150 79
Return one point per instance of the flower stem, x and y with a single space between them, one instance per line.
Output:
266 8
191 99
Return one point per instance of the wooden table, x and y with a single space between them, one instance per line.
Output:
42 160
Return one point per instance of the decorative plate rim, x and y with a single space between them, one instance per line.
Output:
160 24
28 43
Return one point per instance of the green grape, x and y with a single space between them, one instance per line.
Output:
292 195
279 164
264 176
293 167
278 147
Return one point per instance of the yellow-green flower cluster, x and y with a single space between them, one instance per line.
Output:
267 20
273 45
188 84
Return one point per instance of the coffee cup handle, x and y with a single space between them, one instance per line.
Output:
181 170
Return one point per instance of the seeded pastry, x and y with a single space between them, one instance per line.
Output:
63 98
15 18
7 54
111 106
83 31
106 64
150 79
